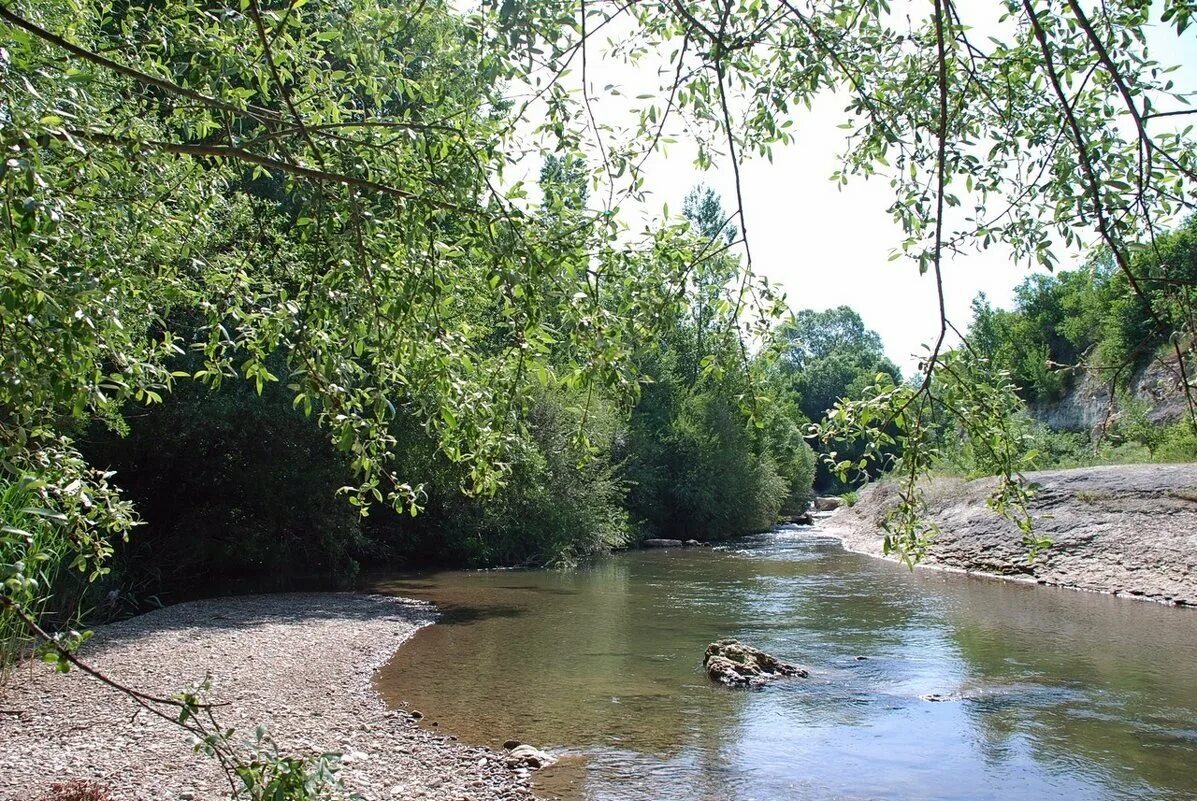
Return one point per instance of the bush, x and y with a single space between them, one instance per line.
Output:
1177 443
696 471
228 483
32 556
561 502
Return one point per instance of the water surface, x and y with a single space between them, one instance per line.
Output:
1053 693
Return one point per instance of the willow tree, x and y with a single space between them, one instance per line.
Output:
319 185
1036 126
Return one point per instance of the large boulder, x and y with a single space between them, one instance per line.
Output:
662 543
734 664
828 503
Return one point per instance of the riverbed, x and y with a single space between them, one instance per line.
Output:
924 685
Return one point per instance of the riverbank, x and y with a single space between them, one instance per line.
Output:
1126 530
299 664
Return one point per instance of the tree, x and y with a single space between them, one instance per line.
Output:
327 182
1056 127
828 355
822 358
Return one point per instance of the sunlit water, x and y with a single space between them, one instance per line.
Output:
1054 694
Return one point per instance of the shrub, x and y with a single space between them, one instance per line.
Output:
32 553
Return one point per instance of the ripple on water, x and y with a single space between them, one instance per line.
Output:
1051 694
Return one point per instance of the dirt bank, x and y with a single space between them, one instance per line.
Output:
1128 530
299 664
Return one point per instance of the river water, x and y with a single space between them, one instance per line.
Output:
1052 694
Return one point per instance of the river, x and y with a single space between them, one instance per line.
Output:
1050 693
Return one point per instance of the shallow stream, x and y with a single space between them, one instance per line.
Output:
1051 694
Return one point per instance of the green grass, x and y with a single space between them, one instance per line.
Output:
32 550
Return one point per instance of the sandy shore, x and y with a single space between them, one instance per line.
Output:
299 664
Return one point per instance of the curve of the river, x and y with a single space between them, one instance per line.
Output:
1052 693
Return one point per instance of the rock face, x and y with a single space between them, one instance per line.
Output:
734 664
1086 404
1124 529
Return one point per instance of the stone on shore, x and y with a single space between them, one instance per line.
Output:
828 503
734 664
522 755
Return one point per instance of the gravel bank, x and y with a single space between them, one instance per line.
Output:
299 664
1125 529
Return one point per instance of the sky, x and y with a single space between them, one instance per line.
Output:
827 245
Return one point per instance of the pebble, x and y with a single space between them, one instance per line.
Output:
301 663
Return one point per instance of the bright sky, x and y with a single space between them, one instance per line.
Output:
828 246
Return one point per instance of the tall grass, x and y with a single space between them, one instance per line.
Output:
32 551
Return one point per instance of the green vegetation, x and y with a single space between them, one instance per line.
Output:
1091 319
36 543
824 356
1087 327
268 258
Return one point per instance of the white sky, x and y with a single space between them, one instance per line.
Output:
826 245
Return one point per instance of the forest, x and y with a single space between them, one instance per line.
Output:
295 292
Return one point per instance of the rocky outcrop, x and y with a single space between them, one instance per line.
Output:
1125 529
1086 404
828 503
734 664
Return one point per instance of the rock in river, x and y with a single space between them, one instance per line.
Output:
662 543
525 756
734 664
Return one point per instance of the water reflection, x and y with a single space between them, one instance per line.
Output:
1049 692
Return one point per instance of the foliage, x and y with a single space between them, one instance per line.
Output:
267 774
564 502
316 195
823 356
230 483
714 448
696 467
33 551
1090 319
968 414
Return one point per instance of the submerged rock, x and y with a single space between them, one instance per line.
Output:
662 543
734 664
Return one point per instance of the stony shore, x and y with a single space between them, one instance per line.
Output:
299 664
1127 530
